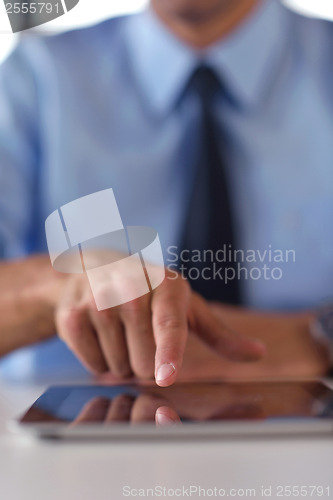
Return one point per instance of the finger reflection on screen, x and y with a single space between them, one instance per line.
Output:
166 416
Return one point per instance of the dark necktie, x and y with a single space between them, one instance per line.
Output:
208 223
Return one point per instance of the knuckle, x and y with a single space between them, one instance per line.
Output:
70 324
105 317
134 310
169 322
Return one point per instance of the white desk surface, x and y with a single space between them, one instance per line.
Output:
32 469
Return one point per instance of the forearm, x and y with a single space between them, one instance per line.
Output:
28 292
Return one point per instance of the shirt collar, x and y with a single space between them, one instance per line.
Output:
244 60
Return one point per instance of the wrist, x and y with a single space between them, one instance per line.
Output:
43 283
29 291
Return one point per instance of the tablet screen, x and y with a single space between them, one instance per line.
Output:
182 403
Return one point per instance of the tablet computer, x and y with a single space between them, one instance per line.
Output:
183 410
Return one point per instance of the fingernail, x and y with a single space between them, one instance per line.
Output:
162 420
165 371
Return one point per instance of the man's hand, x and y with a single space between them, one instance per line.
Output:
147 336
290 349
123 339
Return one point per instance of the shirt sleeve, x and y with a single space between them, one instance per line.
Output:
19 156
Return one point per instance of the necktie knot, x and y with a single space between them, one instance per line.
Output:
205 83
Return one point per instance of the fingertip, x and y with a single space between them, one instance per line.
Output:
256 350
252 350
260 348
165 416
165 374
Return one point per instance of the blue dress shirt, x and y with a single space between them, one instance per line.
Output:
100 107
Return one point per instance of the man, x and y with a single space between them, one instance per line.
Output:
112 106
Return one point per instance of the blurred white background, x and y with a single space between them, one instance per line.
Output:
88 12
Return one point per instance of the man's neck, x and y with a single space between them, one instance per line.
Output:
200 32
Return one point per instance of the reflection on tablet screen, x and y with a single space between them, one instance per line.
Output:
182 403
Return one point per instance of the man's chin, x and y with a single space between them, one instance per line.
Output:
192 11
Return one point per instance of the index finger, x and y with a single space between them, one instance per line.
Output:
170 305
